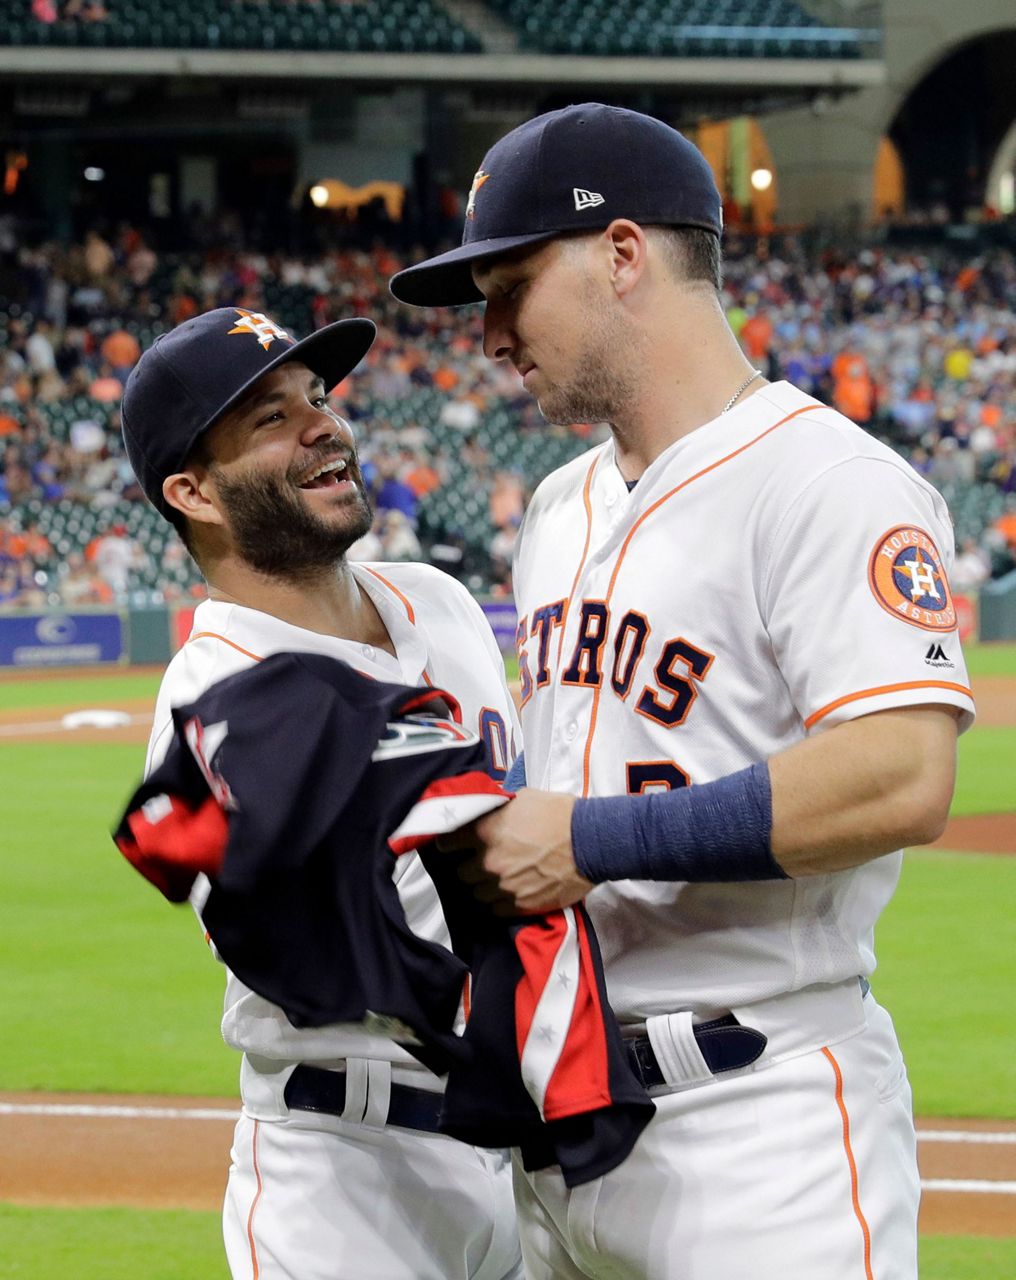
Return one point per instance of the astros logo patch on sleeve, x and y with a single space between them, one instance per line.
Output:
908 580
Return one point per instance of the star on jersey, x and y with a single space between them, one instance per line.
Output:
256 322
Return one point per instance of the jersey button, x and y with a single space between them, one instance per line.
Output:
571 731
368 651
610 499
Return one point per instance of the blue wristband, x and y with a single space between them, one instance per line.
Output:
717 832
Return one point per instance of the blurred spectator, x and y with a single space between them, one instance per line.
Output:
79 583
115 555
121 352
398 539
972 567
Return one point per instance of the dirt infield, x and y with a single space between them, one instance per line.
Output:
173 1153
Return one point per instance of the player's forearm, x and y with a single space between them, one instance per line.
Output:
854 793
863 789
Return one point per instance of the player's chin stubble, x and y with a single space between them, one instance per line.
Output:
606 378
275 533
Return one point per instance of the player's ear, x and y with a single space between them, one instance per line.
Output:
190 493
629 251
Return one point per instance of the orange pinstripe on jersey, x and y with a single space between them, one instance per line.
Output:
395 591
214 635
808 408
254 1204
858 1213
885 688
587 503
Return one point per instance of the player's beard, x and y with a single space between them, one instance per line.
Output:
607 368
277 536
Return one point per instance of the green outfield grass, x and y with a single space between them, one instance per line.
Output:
110 988
986 777
128 1244
85 691
946 948
998 659
110 1244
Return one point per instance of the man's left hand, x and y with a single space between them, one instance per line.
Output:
523 862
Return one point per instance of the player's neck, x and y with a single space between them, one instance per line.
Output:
688 384
331 602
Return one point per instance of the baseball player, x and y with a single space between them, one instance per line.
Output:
742 684
227 425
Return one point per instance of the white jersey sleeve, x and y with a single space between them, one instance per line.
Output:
854 593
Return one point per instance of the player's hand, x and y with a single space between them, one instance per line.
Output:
523 862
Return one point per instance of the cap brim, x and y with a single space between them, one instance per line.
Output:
447 280
331 353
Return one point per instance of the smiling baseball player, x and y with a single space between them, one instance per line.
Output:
338 1170
732 720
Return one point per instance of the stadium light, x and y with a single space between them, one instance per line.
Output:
761 179
319 195
93 174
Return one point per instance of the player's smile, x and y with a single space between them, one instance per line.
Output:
337 476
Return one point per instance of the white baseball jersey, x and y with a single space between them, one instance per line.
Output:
772 574
441 638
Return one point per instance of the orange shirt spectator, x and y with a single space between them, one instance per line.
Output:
423 479
445 378
854 391
120 349
106 389
757 335
8 425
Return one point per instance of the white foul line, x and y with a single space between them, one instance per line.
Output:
963 1135
979 1186
115 1112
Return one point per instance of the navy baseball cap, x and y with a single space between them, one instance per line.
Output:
576 169
190 376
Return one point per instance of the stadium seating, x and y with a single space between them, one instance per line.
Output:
369 26
678 28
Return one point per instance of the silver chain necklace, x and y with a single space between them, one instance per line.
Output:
741 390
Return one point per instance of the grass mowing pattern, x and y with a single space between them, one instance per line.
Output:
109 987
110 1244
946 946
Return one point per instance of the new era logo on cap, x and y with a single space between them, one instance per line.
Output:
586 199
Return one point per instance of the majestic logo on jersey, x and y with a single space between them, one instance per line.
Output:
907 578
937 656
255 322
478 182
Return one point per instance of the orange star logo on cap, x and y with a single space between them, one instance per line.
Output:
478 182
257 323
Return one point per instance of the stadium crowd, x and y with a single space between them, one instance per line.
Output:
919 346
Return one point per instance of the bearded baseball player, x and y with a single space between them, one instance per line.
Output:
338 1171
742 685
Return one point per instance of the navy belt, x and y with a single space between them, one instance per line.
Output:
724 1044
315 1089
